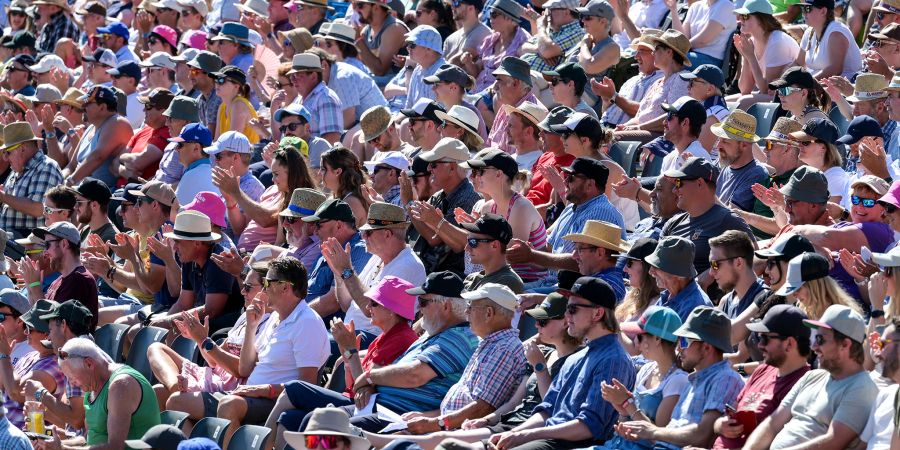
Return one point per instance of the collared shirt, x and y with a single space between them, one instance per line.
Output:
417 88
126 54
12 438
491 61
441 257
613 276
889 130
648 227
575 392
197 177
59 26
321 278
209 109
355 88
568 36
733 306
493 374
170 169
573 218
498 137
392 196
299 340
251 186
709 389
325 108
685 300
39 175
663 90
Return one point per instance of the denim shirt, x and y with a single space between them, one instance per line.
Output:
686 300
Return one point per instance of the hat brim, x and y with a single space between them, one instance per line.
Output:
855 99
137 443
816 324
595 241
672 267
416 291
298 440
767 253
788 289
656 39
13 144
318 5
367 226
718 130
539 313
448 118
632 328
757 327
213 236
802 136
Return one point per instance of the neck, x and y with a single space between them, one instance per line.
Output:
507 36
706 362
97 221
847 369
602 265
818 163
452 184
564 348
671 68
103 374
429 141
677 285
429 61
101 118
495 263
205 88
791 364
286 308
699 209
664 361
69 263
683 142
471 21
569 100
596 332
391 251
19 336
787 167
527 145
744 283
377 20
742 160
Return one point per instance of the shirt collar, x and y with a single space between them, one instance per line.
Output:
702 375
604 341
500 335
197 163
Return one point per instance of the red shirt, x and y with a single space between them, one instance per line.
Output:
79 285
540 189
385 349
763 393
159 137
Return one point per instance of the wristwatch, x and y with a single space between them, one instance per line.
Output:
877 313
39 394
540 367
50 135
347 273
350 352
208 344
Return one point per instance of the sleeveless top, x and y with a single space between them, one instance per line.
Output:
96 412
537 238
223 123
817 50
374 42
87 146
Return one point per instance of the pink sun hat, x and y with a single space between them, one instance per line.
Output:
390 292
194 39
892 196
167 33
208 203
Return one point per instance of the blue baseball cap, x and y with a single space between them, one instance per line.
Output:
706 72
124 194
659 321
860 127
117 28
234 32
194 133
294 109
426 36
127 69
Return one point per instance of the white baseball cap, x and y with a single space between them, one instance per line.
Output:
159 59
497 293
232 141
47 63
395 159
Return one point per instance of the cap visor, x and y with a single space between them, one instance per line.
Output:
312 218
136 443
788 289
632 328
757 327
767 253
848 139
674 174
816 324
537 313
802 136
47 344
416 291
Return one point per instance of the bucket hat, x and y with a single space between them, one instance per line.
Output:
17 133
390 293
738 126
304 202
708 325
674 255
329 422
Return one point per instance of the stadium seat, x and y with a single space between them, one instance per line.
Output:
727 63
213 428
527 327
187 348
174 418
137 356
249 437
109 339
653 167
765 117
625 153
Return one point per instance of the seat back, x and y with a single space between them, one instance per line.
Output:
213 428
765 114
137 356
625 154
187 348
653 166
249 437
174 418
109 339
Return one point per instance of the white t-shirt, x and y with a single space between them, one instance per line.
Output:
134 111
817 52
526 161
780 50
880 428
722 12
406 266
300 340
673 384
19 350
644 14
839 184
676 159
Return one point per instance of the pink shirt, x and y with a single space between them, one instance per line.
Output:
663 90
498 136
255 233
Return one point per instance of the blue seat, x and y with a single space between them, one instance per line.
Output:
625 154
764 113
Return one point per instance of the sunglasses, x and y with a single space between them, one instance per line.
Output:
246 287
327 442
764 338
684 342
715 264
787 90
771 262
473 242
572 308
321 223
806 9
556 81
289 127
423 302
267 282
543 322
744 16
808 143
770 145
679 182
48 210
819 340
291 219
866 202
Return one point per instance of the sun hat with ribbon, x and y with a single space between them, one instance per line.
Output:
782 129
328 422
464 118
338 31
869 86
17 133
384 215
888 6
193 226
599 234
304 202
71 98
738 126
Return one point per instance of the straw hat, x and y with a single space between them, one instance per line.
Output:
889 6
193 226
599 234
462 117
300 38
675 40
315 3
869 86
738 126
374 122
17 133
895 83
305 62
61 3
645 38
328 422
384 215
781 130
531 111
304 202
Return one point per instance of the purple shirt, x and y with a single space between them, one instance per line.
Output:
879 236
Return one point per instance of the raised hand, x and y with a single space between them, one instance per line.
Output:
336 255
605 88
229 261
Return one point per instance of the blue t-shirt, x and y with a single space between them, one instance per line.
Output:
321 278
734 185
685 301
211 279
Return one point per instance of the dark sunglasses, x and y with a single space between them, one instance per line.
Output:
291 219
572 308
819 340
866 202
889 271
422 302
473 242
543 322
764 338
679 182
556 81
290 127
716 263
411 45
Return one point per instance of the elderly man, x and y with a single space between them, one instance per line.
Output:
597 248
33 175
741 170
426 49
355 88
805 202
105 137
18 76
513 88
424 125
674 277
560 31
703 338
323 103
57 24
808 418
486 243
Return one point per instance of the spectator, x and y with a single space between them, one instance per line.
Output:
461 122
766 50
33 175
801 95
295 122
804 416
116 37
731 265
880 428
662 206
557 34
527 142
92 198
619 107
425 48
342 173
379 131
741 170
19 77
105 137
594 53
684 133
384 170
808 281
234 46
236 111
191 145
61 142
203 66
567 82
12 437
540 191
597 247
327 427
303 243
885 56
706 84
470 34
339 40
14 304
827 47
513 88
680 290
142 155
505 40
863 136
486 243
424 125
181 111
94 69
159 436
378 48
322 103
708 26
54 14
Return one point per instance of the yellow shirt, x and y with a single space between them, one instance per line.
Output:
223 123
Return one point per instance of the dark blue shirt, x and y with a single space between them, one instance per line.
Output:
616 281
686 300
321 278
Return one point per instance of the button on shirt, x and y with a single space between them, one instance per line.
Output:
493 374
573 218
685 300
325 108
709 389
575 392
39 175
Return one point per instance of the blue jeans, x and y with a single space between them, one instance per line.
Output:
702 58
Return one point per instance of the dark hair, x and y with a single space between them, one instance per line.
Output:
348 50
441 9
298 171
604 138
527 123
322 54
695 128
736 244
291 269
804 348
76 328
352 175
856 348
62 197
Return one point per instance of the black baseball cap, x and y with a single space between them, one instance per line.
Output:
21 39
101 94
24 59
424 109
569 71
94 190
590 168
127 69
557 116
786 248
796 76
73 312
493 225
785 320
581 124
497 159
231 72
641 249
445 283
124 194
566 278
687 108
553 307
860 127
695 168
418 167
593 290
332 209
817 129
820 3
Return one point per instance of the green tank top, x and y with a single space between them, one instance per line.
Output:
96 412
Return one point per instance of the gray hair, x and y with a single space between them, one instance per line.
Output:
80 348
457 305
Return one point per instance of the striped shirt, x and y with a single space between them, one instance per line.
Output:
39 175
32 362
417 88
170 169
568 36
321 278
613 276
447 353
493 374
575 392
325 109
573 218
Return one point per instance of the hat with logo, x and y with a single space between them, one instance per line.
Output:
787 247
103 56
32 316
708 73
295 143
48 63
675 40
491 225
755 7
556 116
463 117
447 149
497 159
73 312
509 8
807 184
569 71
390 292
687 108
805 267
869 86
159 59
738 126
123 194
194 133
15 300
782 129
860 127
332 209
158 98
659 321
209 204
842 319
599 234
597 8
593 290
395 159
424 108
784 320
156 190
206 61
795 76
126 69
708 325
184 108
21 39
674 255
383 215
445 283
62 230
231 141
192 226
695 168
590 168
450 73
304 202
514 67
158 436
116 28
494 292
553 307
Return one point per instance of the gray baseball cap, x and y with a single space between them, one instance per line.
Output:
15 300
842 319
807 184
597 8
184 108
709 325
64 230
674 255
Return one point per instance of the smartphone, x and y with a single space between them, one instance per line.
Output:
730 411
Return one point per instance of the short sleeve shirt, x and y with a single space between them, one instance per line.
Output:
462 40
493 374
700 14
79 285
733 185
700 229
298 341
209 279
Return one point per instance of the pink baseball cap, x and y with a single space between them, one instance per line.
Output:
195 39
167 33
208 203
390 292
892 196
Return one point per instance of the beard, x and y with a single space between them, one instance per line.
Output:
431 327
891 366
774 359
85 217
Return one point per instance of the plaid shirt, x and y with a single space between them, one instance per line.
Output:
209 109
392 196
634 90
417 87
12 438
492 375
60 26
39 175
573 218
325 108
568 36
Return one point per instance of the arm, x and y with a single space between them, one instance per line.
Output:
214 304
474 410
707 34
110 143
598 63
253 210
124 399
837 50
391 43
766 224
136 163
403 375
22 204
851 238
695 434
240 115
765 433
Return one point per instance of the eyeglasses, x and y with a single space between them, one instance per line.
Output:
289 127
882 343
714 263
819 340
267 282
223 80
320 223
787 90
377 169
679 182
17 69
883 43
685 343
806 9
328 442
770 145
866 202
764 338
494 14
47 242
556 81
572 308
473 242
629 263
48 210
889 271
422 302
410 45
573 176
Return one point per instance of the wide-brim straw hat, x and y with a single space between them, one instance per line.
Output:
374 122
675 40
463 117
384 215
599 234
328 422
71 98
17 133
61 3
738 126
645 39
304 202
192 226
782 129
869 86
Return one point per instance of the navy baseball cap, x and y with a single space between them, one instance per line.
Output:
708 73
101 94
860 127
124 194
127 69
117 28
817 129
194 133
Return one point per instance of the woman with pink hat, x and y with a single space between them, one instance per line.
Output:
163 39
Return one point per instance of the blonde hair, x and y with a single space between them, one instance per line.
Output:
822 293
638 298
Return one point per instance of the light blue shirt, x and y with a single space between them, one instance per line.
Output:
197 178
355 88
573 218
417 88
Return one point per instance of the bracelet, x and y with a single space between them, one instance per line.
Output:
34 284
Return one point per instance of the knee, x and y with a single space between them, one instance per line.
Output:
232 407
176 402
155 348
